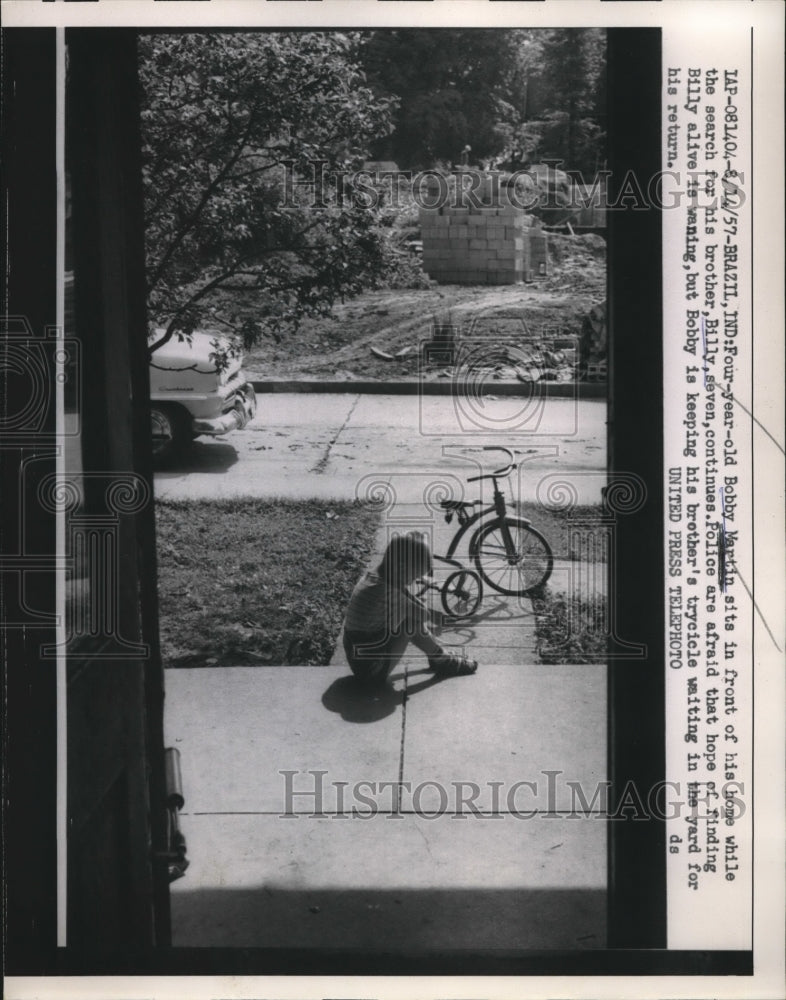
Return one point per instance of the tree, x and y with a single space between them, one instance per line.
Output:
511 95
243 137
574 80
453 87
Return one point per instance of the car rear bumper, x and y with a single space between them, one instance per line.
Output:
244 409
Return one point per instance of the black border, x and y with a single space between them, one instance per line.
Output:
317 962
29 200
637 711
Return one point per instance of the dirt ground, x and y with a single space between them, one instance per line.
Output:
340 345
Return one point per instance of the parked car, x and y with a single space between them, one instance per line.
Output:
189 396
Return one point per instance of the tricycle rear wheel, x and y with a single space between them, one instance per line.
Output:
462 593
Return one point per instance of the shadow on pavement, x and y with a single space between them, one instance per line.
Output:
355 703
404 920
475 634
494 608
202 456
501 609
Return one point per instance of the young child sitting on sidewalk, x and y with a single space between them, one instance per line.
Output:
383 617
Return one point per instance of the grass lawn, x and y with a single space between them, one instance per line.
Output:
570 628
247 581
568 532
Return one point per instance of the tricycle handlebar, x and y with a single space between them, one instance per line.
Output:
497 473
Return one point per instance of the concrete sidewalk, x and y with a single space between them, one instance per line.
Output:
433 816
335 446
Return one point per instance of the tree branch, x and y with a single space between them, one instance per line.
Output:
217 281
206 196
205 290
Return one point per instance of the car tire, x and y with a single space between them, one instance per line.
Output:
171 432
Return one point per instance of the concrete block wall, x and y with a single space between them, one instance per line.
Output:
482 245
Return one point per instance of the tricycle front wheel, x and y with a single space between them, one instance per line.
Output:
512 557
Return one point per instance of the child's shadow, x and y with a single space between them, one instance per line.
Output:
356 703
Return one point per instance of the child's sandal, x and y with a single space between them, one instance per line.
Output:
448 665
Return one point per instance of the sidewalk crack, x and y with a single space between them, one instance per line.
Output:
322 463
397 805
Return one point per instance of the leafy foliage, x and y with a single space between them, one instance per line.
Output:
574 116
451 85
233 123
513 96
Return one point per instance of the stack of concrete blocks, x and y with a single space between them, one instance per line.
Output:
489 243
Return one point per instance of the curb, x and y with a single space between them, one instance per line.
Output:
556 390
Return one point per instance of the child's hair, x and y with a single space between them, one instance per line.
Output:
406 558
